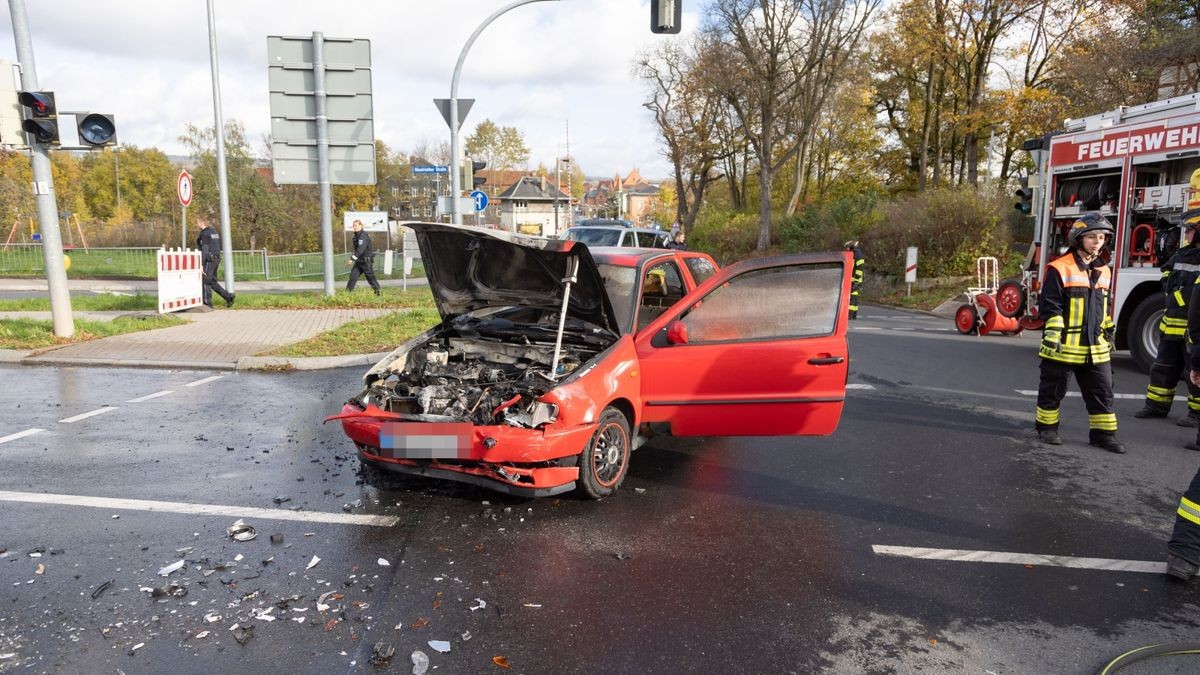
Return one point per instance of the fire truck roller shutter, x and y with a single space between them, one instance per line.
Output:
1091 192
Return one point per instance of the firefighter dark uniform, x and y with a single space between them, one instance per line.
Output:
209 243
361 259
1076 339
857 279
1183 550
1179 275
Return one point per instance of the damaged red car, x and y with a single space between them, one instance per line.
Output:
550 357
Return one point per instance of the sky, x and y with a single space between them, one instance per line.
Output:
559 71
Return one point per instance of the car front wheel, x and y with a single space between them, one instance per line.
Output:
605 461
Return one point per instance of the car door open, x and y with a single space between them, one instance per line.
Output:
757 350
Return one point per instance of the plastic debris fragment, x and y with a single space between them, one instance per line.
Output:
240 531
101 588
175 566
312 563
420 662
442 646
383 562
501 661
382 653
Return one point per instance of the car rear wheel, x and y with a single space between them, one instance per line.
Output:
605 461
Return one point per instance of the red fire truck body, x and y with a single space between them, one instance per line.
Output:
1133 166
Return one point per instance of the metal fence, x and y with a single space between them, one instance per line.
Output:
26 259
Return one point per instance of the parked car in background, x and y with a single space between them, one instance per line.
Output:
592 233
550 358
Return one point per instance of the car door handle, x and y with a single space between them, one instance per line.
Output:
826 360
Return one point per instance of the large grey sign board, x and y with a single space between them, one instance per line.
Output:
348 106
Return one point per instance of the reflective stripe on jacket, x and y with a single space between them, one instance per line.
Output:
1074 303
1179 275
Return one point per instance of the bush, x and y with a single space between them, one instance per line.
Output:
825 227
951 228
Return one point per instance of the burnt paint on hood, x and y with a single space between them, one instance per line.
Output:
471 269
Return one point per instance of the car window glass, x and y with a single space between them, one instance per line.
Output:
700 268
661 239
594 237
787 301
620 283
662 287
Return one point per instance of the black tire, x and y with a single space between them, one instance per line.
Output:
605 461
1143 330
1010 298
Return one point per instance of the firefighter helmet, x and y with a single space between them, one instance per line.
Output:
850 245
1086 224
1190 218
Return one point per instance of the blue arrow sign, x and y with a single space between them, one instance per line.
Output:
481 199
431 169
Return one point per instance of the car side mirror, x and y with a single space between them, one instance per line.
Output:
677 333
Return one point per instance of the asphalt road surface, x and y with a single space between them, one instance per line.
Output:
930 533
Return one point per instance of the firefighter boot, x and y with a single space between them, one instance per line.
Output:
1189 420
1194 445
1181 568
1108 442
1150 411
1049 436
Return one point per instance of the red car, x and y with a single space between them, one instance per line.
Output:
550 355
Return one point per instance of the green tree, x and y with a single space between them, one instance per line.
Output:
503 148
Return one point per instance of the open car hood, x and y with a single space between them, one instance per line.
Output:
471 269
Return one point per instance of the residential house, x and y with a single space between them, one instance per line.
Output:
533 205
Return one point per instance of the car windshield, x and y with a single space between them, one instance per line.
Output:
595 237
621 285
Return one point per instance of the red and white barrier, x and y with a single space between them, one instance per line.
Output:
180 282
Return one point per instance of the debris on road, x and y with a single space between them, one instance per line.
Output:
442 646
240 531
420 662
166 571
101 588
382 653
501 661
480 604
383 562
313 563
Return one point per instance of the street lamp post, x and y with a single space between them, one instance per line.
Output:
455 150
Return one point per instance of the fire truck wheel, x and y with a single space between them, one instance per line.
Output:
1010 298
966 320
1143 330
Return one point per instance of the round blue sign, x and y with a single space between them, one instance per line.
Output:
481 199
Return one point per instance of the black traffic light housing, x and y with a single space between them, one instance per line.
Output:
1025 206
476 167
665 15
96 129
41 120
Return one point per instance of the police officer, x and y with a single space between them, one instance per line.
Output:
857 279
209 243
1077 338
1179 274
360 261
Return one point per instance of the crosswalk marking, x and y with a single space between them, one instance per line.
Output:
90 413
147 397
20 434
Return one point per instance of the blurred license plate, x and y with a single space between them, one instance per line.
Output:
423 440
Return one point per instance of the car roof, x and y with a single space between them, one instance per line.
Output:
627 256
616 227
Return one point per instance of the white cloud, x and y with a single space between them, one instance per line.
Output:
541 68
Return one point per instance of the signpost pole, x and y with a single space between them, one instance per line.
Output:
219 128
318 45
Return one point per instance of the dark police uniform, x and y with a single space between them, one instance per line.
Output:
362 258
209 243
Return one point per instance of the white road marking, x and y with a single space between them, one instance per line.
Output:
205 380
147 397
868 328
197 509
1136 397
960 555
20 434
860 386
92 413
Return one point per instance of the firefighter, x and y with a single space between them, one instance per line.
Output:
1183 550
361 260
857 279
1077 338
209 243
1179 275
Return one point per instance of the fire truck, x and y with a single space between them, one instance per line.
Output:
1134 166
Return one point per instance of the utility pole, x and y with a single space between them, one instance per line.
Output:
219 128
43 187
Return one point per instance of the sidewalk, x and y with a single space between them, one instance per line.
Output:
223 339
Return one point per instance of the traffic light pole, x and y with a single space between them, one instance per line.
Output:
43 187
455 148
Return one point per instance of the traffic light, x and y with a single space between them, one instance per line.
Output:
96 129
41 121
665 15
1025 206
467 172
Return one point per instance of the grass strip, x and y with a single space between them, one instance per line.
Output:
34 334
364 337
391 298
